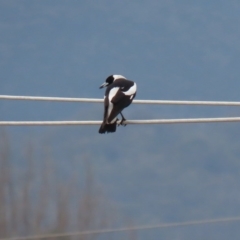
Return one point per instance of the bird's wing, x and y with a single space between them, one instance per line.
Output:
106 104
117 97
114 106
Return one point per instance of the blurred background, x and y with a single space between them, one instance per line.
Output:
61 179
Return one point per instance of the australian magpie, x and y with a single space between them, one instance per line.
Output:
119 94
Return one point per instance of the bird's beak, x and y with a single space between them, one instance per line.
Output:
103 85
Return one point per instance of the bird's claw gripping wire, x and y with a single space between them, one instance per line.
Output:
122 121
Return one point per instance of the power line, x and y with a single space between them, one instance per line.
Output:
95 100
150 121
124 229
99 100
54 99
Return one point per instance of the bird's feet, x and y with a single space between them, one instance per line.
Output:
123 122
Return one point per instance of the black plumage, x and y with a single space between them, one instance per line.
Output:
119 94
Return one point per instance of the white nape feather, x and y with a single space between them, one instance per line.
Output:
118 77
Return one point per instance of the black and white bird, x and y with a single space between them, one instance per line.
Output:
119 94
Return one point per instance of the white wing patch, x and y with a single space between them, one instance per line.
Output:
112 93
132 90
110 108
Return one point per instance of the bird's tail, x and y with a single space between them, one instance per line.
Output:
108 127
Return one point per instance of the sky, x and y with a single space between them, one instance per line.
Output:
174 50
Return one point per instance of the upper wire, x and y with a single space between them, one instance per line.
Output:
136 101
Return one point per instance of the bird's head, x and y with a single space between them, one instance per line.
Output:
109 80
